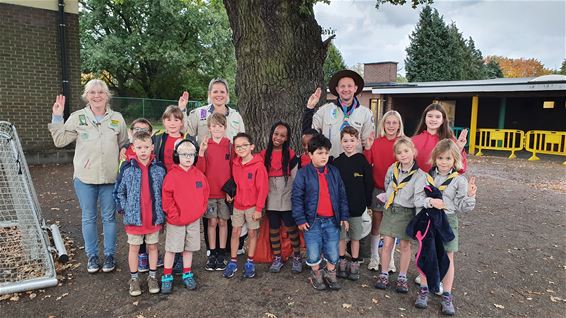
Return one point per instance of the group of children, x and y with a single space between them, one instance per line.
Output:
169 182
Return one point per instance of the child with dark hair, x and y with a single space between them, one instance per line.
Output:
320 206
281 164
307 135
252 187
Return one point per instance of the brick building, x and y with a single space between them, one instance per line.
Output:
30 71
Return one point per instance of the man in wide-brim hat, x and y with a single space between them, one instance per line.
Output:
332 117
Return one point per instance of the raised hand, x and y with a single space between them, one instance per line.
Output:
59 105
369 141
462 139
314 98
472 187
203 147
183 100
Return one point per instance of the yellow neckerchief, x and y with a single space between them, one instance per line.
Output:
400 185
430 179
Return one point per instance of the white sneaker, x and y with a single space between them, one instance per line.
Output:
440 287
374 263
241 251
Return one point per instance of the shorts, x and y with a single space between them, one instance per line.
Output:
395 221
182 238
356 229
217 208
452 246
239 217
138 239
376 205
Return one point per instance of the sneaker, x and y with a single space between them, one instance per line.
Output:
221 262
354 273
374 263
210 263
422 298
178 264
135 289
189 281
402 286
447 306
331 280
392 268
382 282
93 266
230 270
316 280
109 264
297 265
152 285
166 284
249 270
159 261
276 265
143 263
342 268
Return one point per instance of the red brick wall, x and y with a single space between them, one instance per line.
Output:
380 72
30 75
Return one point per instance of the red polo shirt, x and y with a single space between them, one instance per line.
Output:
324 207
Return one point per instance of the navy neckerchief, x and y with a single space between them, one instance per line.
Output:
347 110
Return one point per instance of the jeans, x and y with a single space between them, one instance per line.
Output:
89 195
322 237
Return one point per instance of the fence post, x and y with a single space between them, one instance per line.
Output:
473 124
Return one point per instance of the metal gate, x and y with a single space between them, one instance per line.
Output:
25 254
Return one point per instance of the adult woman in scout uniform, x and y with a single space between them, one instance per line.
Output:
99 133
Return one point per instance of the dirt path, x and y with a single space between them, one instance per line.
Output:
512 263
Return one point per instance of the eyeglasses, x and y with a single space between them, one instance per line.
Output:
138 129
187 155
242 147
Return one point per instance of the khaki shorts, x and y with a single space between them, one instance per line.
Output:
182 238
217 208
138 239
452 246
376 205
356 229
395 221
239 217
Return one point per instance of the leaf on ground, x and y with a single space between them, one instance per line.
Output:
291 303
499 306
346 306
402 309
270 315
135 303
32 295
387 296
15 297
556 299
373 300
364 285
140 316
59 298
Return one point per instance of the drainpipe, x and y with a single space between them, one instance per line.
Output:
63 58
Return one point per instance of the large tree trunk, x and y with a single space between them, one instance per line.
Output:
279 55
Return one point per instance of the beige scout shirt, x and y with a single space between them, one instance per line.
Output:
455 196
197 127
97 143
328 120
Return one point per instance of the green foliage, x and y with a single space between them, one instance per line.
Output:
493 70
333 62
156 48
563 68
438 52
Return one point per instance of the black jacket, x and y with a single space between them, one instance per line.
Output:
431 228
356 173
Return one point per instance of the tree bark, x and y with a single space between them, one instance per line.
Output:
279 54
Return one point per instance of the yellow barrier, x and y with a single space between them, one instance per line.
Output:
546 142
500 139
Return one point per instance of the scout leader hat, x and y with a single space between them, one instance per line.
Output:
345 73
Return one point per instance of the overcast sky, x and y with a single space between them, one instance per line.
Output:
515 29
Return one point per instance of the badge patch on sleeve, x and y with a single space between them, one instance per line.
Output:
82 120
199 184
114 123
203 114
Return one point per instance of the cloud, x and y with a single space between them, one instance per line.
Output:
528 29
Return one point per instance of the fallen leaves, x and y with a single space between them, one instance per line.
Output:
499 306
63 295
270 315
346 306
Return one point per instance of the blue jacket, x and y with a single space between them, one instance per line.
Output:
305 195
127 192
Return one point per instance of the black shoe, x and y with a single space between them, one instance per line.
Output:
221 262
210 263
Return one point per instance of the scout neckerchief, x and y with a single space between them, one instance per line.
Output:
400 185
430 179
347 110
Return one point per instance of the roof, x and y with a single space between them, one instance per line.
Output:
525 84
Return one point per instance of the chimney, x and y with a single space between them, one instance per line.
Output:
380 72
